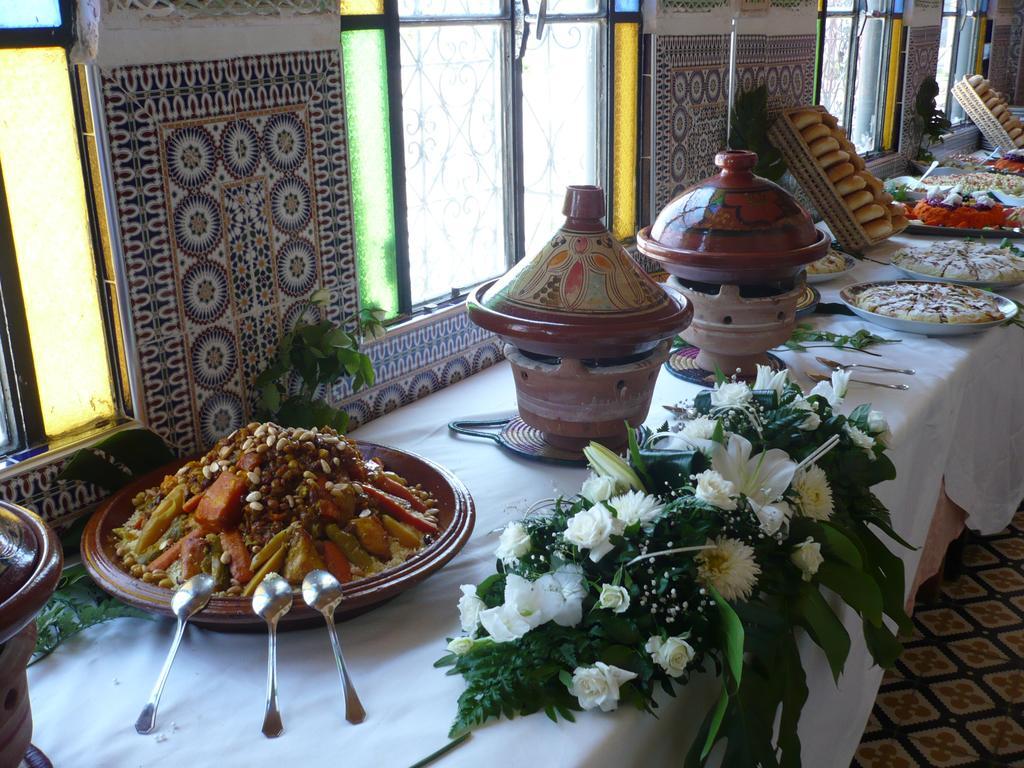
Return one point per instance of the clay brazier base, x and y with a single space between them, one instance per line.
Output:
573 404
734 333
15 712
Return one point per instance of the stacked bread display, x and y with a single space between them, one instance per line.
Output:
989 111
850 198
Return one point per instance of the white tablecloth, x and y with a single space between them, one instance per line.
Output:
963 418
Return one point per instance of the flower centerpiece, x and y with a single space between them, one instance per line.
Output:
706 551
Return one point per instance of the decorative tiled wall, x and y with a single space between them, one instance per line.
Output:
38 489
1015 76
922 59
691 95
1001 72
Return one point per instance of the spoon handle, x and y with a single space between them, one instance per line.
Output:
272 725
354 711
147 718
907 371
901 387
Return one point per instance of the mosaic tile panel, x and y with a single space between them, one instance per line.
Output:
1000 69
691 95
922 59
1016 73
54 501
231 182
956 696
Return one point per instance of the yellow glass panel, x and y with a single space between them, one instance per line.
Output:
353 7
889 126
624 159
982 24
46 196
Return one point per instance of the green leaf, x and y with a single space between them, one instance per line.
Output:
717 714
855 587
884 647
732 630
837 543
636 458
129 453
824 627
87 466
719 376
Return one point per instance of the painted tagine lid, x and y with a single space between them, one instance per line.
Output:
582 295
30 563
733 228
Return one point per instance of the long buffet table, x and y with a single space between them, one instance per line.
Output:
961 421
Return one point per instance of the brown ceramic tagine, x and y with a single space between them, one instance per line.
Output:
736 245
30 565
586 329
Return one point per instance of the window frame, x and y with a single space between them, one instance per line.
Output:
960 15
859 15
517 22
21 409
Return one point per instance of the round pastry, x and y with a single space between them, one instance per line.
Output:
859 199
805 118
851 183
878 228
824 146
839 172
832 158
869 213
928 302
829 264
963 260
814 132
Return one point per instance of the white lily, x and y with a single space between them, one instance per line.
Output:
835 390
762 478
769 379
606 463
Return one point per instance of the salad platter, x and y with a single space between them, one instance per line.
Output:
393 517
960 214
928 308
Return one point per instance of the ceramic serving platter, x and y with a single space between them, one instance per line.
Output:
826 276
1008 308
917 228
456 517
993 284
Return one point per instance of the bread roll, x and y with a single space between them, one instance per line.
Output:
832 158
998 109
897 209
852 182
885 197
990 102
879 228
858 161
873 183
1004 119
869 213
824 146
899 223
859 199
975 80
805 118
1019 141
1015 132
839 134
829 119
814 132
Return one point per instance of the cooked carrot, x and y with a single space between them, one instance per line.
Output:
221 505
192 553
395 488
337 563
163 561
250 461
241 563
190 506
396 508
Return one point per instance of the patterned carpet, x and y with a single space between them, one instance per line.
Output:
957 695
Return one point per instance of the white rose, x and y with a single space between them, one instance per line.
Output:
504 623
591 528
715 490
636 507
530 600
513 543
470 607
701 428
672 655
860 439
460 645
772 516
567 589
813 420
807 557
597 488
731 393
615 599
598 686
879 426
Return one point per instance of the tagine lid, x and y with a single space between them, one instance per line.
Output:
582 285
30 565
733 227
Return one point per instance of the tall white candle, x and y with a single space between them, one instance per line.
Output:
732 81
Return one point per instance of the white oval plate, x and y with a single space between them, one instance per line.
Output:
1008 308
957 281
824 277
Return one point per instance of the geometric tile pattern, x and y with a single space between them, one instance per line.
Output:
1001 70
202 8
232 196
1016 74
956 697
922 59
38 489
691 96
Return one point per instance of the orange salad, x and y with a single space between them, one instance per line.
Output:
964 216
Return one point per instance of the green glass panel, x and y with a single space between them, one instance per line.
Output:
369 141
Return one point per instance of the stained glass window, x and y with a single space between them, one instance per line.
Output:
46 198
357 7
624 158
31 14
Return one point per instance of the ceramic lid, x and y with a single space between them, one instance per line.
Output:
735 227
582 295
30 564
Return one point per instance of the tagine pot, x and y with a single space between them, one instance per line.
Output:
586 329
30 566
736 245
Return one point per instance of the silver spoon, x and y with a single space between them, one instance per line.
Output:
823 377
846 366
271 601
191 597
322 591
